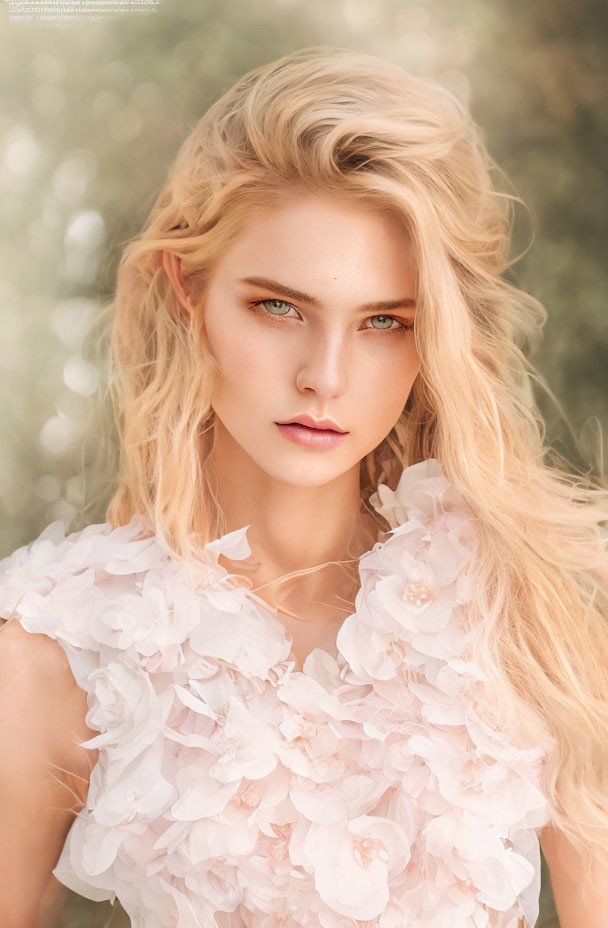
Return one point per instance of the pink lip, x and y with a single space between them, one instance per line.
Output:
310 437
326 424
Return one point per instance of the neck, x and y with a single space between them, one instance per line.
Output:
291 527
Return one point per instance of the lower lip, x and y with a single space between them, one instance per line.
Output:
311 438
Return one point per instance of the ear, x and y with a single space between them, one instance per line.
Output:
173 269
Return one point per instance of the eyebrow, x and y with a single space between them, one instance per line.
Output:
284 290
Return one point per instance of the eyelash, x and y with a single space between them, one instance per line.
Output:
401 327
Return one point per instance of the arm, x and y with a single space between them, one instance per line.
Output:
43 773
579 904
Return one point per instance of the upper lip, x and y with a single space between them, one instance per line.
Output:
314 423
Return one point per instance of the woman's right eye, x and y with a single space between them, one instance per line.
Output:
273 304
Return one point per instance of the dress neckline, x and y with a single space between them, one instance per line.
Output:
420 497
270 614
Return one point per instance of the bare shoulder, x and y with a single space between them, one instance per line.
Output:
18 644
581 898
44 700
44 774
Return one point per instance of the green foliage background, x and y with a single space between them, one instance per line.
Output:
94 113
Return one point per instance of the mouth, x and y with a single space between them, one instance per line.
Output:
310 436
317 425
310 428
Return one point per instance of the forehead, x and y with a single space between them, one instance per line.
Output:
324 239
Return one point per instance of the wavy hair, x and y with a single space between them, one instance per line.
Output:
330 121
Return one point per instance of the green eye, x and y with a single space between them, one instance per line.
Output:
276 302
387 319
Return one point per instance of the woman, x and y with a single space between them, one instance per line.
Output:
338 655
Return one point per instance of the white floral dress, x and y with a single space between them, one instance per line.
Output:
232 791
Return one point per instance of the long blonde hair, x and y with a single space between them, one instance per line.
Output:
329 120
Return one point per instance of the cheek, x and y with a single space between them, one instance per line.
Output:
248 365
384 384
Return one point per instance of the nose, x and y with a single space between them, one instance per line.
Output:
323 367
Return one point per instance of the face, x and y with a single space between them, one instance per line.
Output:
289 319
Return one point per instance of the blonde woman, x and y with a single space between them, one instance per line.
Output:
338 655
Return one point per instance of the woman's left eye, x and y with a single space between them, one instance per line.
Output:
400 326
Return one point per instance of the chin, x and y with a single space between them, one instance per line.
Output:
309 473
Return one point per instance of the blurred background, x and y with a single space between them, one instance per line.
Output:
94 112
